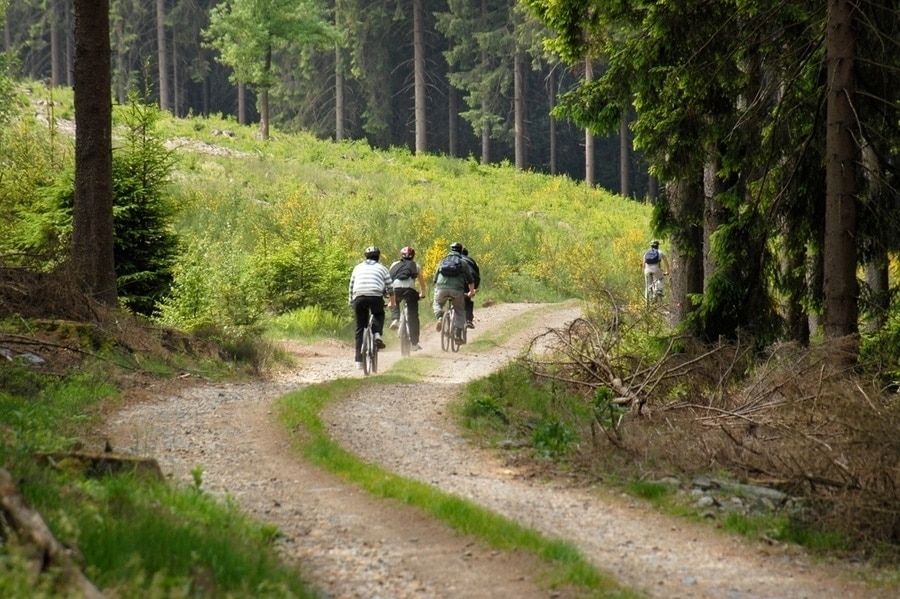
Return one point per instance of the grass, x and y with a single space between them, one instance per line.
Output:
137 537
300 411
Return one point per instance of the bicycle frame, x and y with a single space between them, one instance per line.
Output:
403 331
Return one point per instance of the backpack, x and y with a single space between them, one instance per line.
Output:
451 265
403 270
652 256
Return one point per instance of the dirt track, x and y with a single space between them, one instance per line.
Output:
351 545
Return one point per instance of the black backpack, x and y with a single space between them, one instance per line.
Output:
403 270
451 265
652 256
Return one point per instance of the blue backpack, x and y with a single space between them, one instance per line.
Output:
652 256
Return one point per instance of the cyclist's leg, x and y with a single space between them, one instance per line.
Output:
376 305
440 296
361 313
412 315
459 305
470 311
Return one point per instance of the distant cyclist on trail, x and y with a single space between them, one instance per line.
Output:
370 283
405 274
654 259
476 275
453 279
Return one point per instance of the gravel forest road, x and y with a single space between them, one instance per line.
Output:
350 545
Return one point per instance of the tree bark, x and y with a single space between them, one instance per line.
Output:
419 67
162 54
338 94
519 117
624 156
686 252
453 121
92 220
552 89
841 309
588 136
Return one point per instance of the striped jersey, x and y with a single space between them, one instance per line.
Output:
370 278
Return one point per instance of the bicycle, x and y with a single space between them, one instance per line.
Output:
403 332
653 287
449 340
369 348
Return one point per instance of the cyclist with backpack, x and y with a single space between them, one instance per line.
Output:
453 279
370 283
476 275
405 274
652 263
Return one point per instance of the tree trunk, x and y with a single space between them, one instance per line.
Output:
338 95
453 121
242 104
841 307
685 203
162 54
588 136
55 45
92 219
552 85
419 67
264 97
121 75
624 156
713 213
519 118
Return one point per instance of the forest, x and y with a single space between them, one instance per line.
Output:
773 130
453 78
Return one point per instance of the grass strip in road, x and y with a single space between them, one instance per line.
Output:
300 412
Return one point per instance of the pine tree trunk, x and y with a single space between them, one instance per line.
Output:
519 102
419 67
162 54
840 180
624 156
92 217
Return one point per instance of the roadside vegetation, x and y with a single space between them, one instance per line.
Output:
255 241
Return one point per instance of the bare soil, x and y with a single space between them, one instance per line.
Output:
351 545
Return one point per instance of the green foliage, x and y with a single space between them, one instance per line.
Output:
309 322
246 32
553 438
145 246
650 490
608 413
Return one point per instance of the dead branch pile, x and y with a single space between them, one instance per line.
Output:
796 418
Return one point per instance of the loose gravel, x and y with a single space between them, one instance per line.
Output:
350 545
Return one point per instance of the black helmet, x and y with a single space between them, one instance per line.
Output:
654 244
373 253
408 252
456 246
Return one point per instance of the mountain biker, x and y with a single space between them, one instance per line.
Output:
456 287
370 283
476 275
405 273
652 263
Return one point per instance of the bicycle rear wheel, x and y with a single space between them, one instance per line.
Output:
368 346
446 330
405 345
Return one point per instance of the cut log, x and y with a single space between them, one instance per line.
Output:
43 550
